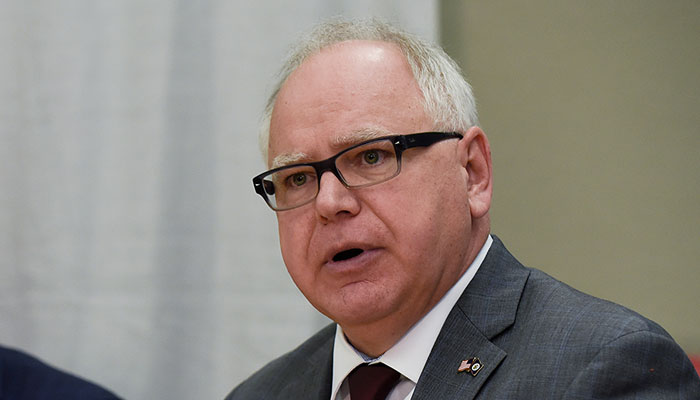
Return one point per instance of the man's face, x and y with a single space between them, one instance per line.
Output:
410 234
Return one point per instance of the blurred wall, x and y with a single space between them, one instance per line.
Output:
134 250
592 110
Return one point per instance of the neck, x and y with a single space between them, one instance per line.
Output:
376 338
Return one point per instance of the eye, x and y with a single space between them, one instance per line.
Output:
298 179
372 156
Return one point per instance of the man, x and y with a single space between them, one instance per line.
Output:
381 180
23 377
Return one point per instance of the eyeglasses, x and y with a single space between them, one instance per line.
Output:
360 165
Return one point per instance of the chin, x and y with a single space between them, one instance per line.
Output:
359 308
357 319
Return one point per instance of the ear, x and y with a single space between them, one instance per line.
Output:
475 157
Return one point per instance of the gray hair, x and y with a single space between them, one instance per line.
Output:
447 97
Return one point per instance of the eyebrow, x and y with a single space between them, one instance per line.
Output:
339 143
283 160
359 136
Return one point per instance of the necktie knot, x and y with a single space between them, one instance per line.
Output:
372 382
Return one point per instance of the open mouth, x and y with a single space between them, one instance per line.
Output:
347 254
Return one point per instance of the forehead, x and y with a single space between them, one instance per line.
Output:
335 142
348 92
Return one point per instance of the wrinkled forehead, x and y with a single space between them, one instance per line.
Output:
337 143
347 93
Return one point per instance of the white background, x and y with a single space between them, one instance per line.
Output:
134 250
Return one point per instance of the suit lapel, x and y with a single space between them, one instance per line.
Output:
486 308
459 340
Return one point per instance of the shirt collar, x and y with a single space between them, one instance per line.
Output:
409 355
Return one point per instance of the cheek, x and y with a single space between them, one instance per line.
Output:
295 261
293 241
296 230
407 215
428 213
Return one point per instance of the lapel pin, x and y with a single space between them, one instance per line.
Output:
472 365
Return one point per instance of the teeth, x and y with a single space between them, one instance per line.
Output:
347 254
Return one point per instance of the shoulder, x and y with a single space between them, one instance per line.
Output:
551 303
593 347
302 370
543 301
583 346
506 296
23 376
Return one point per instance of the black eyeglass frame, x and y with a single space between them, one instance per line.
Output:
400 142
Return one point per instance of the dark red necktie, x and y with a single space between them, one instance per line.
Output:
372 382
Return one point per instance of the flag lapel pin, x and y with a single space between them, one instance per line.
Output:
472 365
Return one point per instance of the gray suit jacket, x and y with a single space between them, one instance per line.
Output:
536 337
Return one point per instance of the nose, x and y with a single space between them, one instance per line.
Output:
334 201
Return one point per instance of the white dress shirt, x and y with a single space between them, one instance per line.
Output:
409 355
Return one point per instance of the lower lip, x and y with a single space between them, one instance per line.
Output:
355 264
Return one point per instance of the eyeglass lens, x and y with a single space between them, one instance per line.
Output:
363 165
